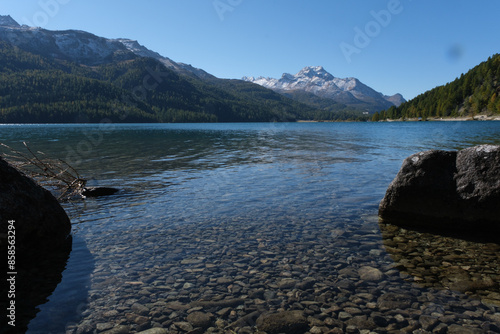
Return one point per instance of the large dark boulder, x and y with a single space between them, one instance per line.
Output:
42 244
40 221
443 190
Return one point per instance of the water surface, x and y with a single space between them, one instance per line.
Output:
219 211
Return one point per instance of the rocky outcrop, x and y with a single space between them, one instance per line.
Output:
40 222
447 190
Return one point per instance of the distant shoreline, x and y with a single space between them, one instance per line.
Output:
429 119
447 119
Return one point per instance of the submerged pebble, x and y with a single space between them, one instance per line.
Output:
244 276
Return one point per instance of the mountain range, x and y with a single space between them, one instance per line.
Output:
42 69
320 83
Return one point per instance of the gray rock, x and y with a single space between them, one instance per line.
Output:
308 283
154 331
344 316
361 322
185 326
287 283
457 329
478 182
391 301
220 303
104 326
199 319
140 309
283 322
40 222
446 190
368 273
427 322
121 329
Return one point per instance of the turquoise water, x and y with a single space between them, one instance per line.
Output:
180 183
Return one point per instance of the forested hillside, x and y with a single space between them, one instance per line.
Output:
35 89
473 93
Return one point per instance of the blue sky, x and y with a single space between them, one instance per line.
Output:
394 46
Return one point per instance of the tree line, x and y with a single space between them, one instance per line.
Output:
475 92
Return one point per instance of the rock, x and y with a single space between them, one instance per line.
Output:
104 326
154 331
391 301
282 322
141 320
361 322
308 283
344 316
121 329
478 182
316 330
40 222
220 303
427 322
370 274
457 329
380 320
442 190
185 326
287 283
199 319
98 191
42 242
140 309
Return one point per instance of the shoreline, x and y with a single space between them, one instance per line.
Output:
447 119
419 119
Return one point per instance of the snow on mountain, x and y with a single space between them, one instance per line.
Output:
316 80
83 47
142 51
138 49
74 45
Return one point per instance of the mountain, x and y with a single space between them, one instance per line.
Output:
316 80
75 76
475 92
8 21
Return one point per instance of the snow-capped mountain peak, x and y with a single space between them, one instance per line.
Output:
315 72
316 80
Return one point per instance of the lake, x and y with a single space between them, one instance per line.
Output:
225 222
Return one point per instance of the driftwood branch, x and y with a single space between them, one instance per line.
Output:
53 174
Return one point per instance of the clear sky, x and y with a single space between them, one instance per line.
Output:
394 46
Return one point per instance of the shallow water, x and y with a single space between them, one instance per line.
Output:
210 212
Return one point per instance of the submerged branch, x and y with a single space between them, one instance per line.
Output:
54 174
